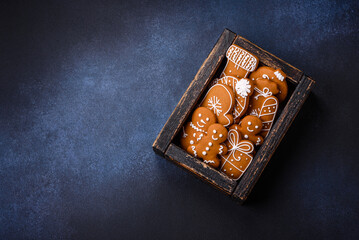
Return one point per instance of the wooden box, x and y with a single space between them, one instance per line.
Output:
167 144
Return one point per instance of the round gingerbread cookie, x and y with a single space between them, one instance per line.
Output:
275 75
239 62
211 145
220 100
195 129
239 155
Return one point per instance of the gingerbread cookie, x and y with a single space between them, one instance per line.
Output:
263 88
275 75
211 145
194 130
239 155
242 89
239 62
220 100
250 127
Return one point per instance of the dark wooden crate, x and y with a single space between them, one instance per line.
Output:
167 146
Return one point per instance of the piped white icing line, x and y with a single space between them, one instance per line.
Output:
196 128
199 137
279 76
241 58
194 151
220 149
243 87
208 161
265 93
215 139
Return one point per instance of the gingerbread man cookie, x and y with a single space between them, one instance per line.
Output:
239 155
250 127
242 89
220 100
211 145
239 62
194 130
275 75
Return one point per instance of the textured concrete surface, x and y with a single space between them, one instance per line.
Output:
85 87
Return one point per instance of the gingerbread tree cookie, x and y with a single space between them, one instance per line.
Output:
239 155
195 129
239 62
211 145
220 100
250 127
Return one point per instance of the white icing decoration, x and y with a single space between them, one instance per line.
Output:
265 93
200 137
210 144
241 58
204 153
191 142
243 147
184 133
265 76
279 76
249 130
196 128
220 135
249 123
215 139
208 161
214 131
257 126
207 148
201 126
246 136
207 119
215 104
220 149
194 151
243 87
199 115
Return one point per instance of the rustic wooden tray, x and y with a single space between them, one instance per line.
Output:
167 146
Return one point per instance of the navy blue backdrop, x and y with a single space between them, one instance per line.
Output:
86 86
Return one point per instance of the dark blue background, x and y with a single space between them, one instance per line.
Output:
85 87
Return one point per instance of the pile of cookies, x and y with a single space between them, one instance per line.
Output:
236 114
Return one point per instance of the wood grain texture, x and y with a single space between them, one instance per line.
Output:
193 92
293 74
200 169
254 171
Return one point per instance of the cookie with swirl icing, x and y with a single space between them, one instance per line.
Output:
196 129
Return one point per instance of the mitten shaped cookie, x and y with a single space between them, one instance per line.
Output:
239 155
250 127
220 100
239 62
275 75
242 89
194 130
211 145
